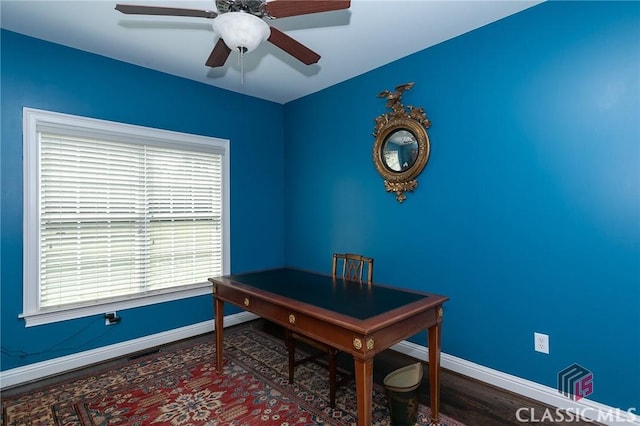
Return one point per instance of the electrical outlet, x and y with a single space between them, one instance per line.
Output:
111 318
541 342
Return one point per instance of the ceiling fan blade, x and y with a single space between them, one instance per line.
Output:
284 8
219 55
132 9
293 47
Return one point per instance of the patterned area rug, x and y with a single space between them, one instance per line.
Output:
182 387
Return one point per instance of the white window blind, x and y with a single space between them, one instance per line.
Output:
123 217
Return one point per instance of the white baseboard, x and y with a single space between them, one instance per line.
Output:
41 370
585 408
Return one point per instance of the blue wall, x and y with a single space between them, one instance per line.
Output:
528 212
51 77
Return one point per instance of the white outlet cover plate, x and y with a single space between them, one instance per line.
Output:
541 342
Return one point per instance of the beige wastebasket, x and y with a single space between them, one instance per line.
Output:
402 394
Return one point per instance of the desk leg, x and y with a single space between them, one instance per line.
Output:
434 371
364 389
219 329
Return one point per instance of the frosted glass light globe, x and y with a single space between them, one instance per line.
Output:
241 31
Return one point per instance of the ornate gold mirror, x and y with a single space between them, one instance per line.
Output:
402 147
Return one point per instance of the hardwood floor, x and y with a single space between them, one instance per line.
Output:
466 400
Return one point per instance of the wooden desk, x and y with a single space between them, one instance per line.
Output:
356 318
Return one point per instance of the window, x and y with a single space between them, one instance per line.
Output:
117 216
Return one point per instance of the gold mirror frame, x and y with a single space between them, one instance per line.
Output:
412 120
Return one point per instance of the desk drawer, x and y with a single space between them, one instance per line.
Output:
259 306
289 317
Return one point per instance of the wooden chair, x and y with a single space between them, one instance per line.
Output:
353 267
350 267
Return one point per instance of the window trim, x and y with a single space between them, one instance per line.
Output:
35 120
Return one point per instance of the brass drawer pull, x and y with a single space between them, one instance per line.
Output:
246 301
292 319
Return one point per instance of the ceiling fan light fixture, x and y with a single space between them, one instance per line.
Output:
241 31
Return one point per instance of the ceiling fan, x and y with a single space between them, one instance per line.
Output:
241 27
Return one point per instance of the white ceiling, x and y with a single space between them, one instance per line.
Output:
351 42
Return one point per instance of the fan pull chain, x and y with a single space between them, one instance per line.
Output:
241 63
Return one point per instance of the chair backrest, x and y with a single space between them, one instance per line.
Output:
352 266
